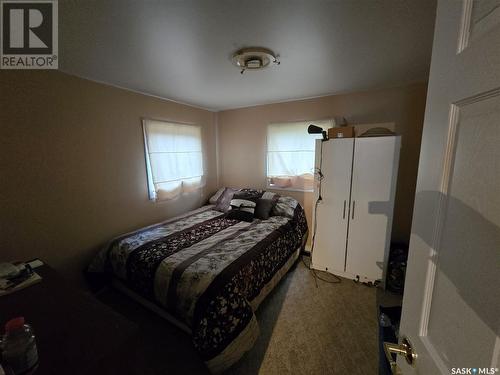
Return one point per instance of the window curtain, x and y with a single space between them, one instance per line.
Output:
174 158
290 154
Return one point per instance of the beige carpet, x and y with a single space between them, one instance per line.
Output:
328 329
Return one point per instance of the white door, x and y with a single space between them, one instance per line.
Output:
374 174
451 305
332 210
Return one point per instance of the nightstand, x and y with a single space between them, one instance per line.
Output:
75 333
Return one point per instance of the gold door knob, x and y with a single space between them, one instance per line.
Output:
405 349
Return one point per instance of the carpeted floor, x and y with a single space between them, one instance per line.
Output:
307 327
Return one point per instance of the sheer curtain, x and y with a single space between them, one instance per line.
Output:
290 154
174 158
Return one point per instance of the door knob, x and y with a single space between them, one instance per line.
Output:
404 349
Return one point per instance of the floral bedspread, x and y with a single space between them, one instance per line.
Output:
209 271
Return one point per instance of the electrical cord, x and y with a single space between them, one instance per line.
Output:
334 279
319 173
321 275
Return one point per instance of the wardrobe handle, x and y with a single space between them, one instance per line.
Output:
353 206
343 215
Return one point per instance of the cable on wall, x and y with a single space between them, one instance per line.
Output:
318 172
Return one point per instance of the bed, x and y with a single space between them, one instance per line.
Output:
207 272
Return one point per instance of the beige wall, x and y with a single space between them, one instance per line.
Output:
72 158
72 165
242 138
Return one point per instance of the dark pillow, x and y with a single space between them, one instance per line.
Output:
248 194
263 208
241 209
224 201
238 214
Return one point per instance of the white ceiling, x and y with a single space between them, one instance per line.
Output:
181 50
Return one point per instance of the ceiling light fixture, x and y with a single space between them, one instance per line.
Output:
254 58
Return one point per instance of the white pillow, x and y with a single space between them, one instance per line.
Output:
243 205
213 198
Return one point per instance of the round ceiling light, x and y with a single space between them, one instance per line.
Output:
254 58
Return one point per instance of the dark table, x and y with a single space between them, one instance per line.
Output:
75 333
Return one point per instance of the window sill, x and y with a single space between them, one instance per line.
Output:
270 187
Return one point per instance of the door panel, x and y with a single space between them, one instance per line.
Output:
332 211
452 301
372 201
470 245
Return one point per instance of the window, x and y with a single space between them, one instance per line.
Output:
290 154
174 159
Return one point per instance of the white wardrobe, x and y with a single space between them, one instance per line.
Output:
353 220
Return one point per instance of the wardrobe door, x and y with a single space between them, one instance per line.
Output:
375 170
332 210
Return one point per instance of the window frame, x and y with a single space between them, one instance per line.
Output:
267 177
152 195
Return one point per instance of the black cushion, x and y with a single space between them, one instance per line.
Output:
238 214
248 194
242 205
263 208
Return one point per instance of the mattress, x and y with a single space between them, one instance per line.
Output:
209 272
